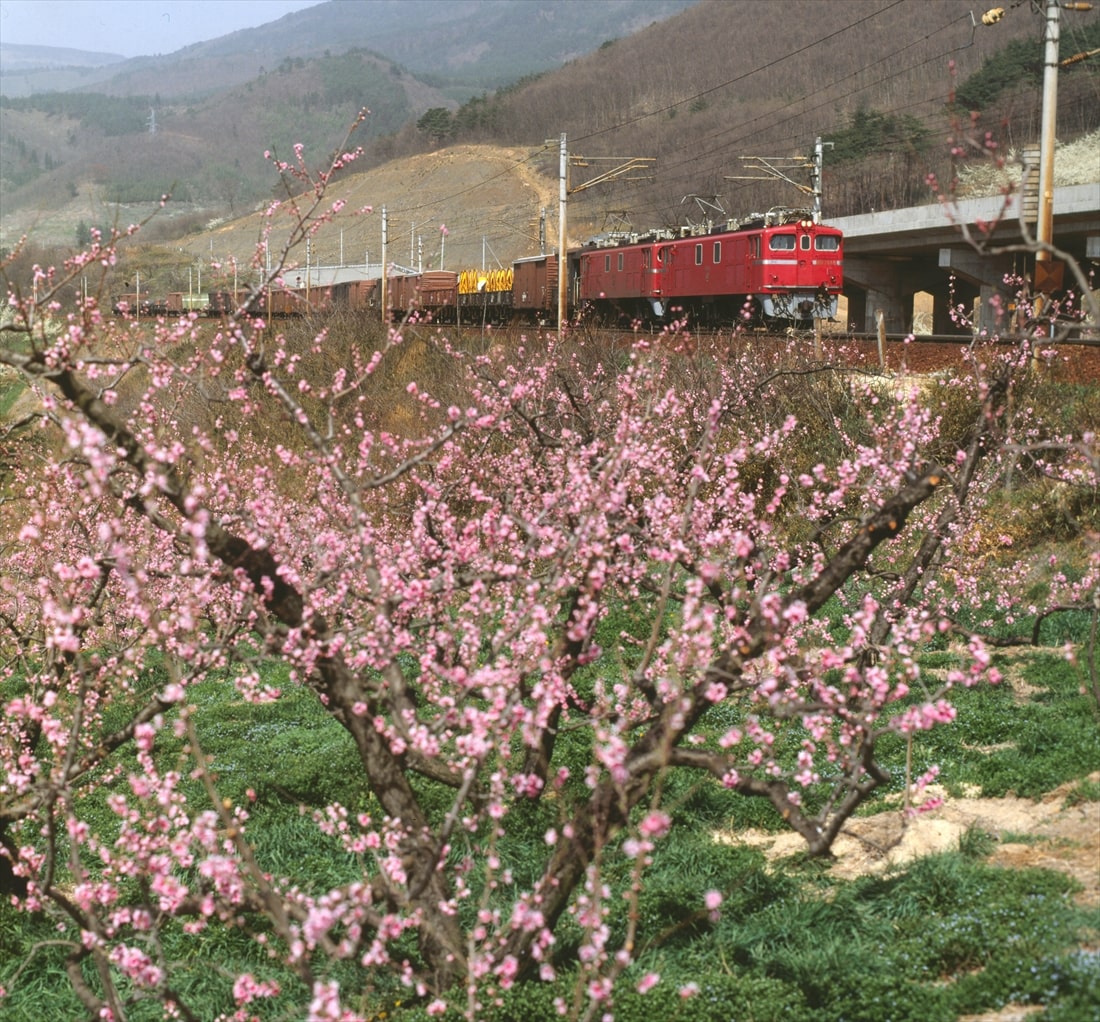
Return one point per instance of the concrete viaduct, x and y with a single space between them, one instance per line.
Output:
891 256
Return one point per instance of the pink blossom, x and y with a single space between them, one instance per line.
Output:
655 825
473 563
648 982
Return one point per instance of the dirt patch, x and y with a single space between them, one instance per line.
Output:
1051 833
489 198
1009 1013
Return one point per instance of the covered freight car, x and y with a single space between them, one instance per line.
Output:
433 293
284 302
355 295
535 286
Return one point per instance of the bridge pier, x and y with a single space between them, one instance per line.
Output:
985 276
890 255
873 284
978 292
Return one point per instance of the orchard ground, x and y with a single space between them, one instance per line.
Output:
1031 740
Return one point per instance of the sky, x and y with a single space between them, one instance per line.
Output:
133 28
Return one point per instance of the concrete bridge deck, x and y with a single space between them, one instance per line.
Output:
891 256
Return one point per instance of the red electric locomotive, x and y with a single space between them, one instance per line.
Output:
778 266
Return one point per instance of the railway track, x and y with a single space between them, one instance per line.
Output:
1074 360
1066 361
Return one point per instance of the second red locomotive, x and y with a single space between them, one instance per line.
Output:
777 266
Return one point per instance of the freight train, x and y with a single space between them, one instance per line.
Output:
774 268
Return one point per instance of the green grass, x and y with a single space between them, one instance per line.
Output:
10 390
948 934
1002 743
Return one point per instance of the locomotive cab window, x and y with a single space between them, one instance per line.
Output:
620 266
699 255
607 264
827 243
804 242
717 252
781 243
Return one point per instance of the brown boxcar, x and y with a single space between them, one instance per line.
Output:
281 302
433 293
355 295
220 303
535 285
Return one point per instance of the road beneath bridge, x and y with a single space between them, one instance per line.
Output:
890 257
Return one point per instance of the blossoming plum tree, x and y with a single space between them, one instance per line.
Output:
202 506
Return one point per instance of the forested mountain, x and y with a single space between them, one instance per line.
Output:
460 46
728 80
697 92
197 122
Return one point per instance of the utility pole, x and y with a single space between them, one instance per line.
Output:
385 269
563 260
816 175
1048 271
625 166
1045 273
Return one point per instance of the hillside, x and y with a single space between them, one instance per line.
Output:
696 93
765 80
488 197
80 156
461 45
25 69
217 106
